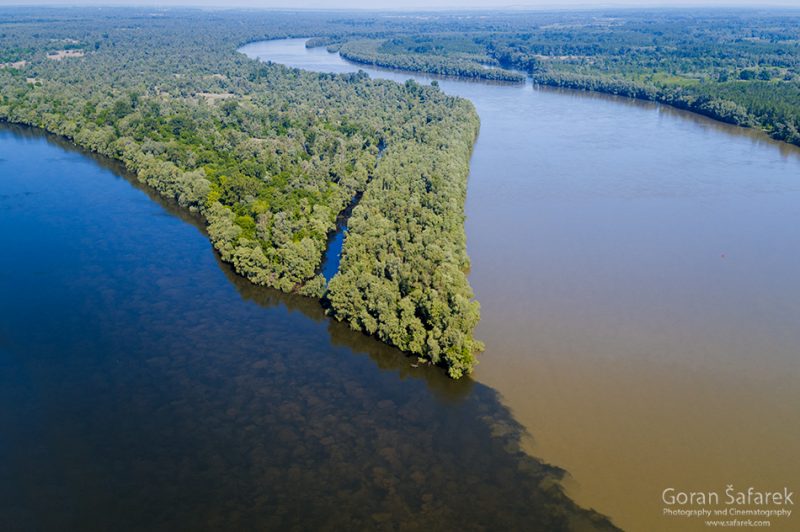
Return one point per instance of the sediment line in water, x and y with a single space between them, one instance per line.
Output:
161 389
612 175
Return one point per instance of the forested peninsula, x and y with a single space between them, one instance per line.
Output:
269 156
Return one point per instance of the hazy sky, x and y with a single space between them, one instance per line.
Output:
419 4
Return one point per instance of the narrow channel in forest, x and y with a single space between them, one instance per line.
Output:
333 249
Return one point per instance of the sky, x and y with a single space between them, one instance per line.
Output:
419 4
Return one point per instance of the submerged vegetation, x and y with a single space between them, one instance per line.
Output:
270 156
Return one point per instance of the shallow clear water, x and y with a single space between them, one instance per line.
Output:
637 268
143 386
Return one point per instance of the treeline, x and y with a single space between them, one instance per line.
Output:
367 52
738 67
270 156
741 67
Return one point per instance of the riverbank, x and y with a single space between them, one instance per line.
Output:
716 109
708 72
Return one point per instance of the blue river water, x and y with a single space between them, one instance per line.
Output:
144 386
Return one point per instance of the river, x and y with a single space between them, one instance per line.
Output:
145 386
637 268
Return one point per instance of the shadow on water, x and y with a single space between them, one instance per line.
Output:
145 386
386 358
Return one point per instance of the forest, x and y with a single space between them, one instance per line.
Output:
736 66
269 156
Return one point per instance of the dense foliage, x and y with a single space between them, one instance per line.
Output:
269 156
402 276
741 67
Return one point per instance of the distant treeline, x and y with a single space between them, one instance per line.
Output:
369 52
738 66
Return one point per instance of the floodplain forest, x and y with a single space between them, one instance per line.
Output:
270 156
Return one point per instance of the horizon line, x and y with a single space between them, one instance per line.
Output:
233 6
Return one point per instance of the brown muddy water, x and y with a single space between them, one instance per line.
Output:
637 268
